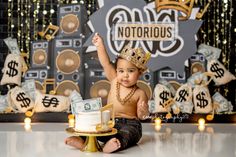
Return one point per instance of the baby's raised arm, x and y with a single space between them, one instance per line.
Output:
104 59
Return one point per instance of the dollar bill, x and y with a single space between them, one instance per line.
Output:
75 96
209 52
3 102
87 105
12 45
151 106
197 78
29 87
186 107
223 104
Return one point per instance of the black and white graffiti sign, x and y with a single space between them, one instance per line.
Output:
169 40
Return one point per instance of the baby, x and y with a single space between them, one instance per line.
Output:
129 101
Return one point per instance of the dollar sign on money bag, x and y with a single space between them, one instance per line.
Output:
182 95
163 96
219 71
26 101
12 69
48 102
202 101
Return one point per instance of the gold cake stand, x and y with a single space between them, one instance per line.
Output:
91 143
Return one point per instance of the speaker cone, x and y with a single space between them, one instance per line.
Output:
144 86
68 61
39 57
197 67
100 89
66 87
69 23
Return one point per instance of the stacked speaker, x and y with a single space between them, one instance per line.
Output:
96 84
61 59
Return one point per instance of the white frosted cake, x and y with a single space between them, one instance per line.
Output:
87 121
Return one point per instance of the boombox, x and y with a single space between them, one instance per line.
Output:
68 66
171 76
72 20
40 54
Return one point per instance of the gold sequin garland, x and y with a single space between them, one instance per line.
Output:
127 97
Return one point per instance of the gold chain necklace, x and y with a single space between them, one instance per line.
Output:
127 97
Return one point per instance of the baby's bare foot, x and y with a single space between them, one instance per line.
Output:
75 141
111 145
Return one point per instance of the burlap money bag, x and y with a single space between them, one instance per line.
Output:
221 75
12 70
202 99
19 100
161 95
51 103
183 99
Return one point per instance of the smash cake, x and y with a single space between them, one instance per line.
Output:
94 121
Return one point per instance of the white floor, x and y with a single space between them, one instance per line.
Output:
172 140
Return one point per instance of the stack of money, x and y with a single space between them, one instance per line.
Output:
87 105
12 45
3 103
222 104
151 106
29 87
209 52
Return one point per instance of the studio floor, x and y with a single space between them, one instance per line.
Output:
171 140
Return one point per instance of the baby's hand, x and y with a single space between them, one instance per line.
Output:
97 40
143 110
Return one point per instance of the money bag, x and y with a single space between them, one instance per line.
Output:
161 95
19 100
221 75
183 99
12 69
202 99
51 103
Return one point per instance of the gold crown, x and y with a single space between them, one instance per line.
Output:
136 56
184 6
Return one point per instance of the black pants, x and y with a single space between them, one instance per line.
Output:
129 132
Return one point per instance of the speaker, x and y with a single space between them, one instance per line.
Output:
146 82
68 65
39 75
172 77
96 84
39 54
71 21
197 63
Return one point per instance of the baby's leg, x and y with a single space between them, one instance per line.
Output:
111 145
75 141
